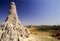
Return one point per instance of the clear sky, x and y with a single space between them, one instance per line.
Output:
34 12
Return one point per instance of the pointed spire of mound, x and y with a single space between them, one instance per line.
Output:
13 17
12 9
12 29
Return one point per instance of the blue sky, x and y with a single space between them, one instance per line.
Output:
34 12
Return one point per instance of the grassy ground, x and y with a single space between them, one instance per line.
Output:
40 38
37 35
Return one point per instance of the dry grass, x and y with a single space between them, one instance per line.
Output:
40 36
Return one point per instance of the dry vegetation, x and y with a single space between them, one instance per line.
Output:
45 33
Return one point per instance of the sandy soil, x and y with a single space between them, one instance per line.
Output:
40 38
